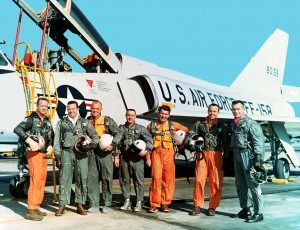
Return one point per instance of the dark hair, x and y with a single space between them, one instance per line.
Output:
238 102
164 107
214 104
73 102
41 99
130 110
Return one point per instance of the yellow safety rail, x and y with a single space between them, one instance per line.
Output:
37 82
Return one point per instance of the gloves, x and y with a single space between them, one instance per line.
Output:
58 162
257 161
34 146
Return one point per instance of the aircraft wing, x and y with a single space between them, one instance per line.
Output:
290 93
293 128
292 124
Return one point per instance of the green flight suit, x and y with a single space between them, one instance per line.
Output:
247 143
66 135
131 164
101 164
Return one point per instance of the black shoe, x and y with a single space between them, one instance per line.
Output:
245 213
255 218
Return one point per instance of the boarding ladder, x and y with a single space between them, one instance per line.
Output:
37 82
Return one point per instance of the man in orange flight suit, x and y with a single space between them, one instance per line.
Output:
162 158
215 135
36 125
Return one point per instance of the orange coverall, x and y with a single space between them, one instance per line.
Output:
38 174
211 165
163 164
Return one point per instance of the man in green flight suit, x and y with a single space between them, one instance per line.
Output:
247 142
100 161
69 131
132 162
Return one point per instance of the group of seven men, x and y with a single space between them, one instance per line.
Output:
90 147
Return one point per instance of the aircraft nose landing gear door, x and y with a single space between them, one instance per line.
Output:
282 169
139 93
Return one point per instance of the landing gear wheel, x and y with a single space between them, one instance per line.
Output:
282 169
23 186
13 186
18 187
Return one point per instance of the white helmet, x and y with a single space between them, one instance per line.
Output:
196 140
138 146
178 137
82 142
105 140
40 140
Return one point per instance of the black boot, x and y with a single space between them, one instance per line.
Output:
245 213
257 217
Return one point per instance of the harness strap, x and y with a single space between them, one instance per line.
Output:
171 129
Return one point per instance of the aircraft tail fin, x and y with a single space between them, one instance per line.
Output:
264 73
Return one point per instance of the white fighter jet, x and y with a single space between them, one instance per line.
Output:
123 82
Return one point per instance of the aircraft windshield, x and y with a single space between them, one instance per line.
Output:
86 25
65 19
3 61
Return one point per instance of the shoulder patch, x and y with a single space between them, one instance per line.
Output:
106 120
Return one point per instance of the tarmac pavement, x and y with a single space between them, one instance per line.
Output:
281 211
